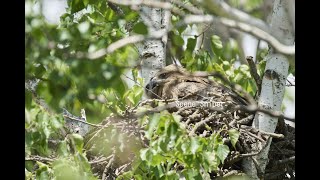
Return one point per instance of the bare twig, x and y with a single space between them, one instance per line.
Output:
254 72
255 31
75 119
149 3
254 108
121 43
39 158
221 8
188 7
252 135
104 174
282 161
116 9
198 124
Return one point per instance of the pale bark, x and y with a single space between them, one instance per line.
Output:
152 52
273 86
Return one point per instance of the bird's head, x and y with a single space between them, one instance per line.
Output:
166 75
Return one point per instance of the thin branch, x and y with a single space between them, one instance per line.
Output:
190 7
252 135
198 124
116 9
39 158
255 130
255 31
245 120
85 122
220 8
103 159
104 174
254 72
149 3
282 161
254 108
112 47
121 43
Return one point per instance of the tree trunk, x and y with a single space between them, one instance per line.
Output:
273 84
153 52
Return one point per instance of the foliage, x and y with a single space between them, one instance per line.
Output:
172 148
74 82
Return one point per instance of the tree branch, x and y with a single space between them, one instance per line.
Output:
254 72
220 8
39 158
253 30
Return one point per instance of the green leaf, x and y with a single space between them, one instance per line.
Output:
194 145
78 141
152 125
172 175
140 28
216 42
40 70
222 152
143 154
234 136
191 44
172 131
210 158
63 149
177 40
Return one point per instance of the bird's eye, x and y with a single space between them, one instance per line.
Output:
163 76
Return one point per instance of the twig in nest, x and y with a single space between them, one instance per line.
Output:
255 130
256 164
253 108
245 120
122 168
103 159
75 119
39 158
252 135
198 124
282 161
104 174
254 73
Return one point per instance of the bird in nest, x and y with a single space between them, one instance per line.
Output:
175 82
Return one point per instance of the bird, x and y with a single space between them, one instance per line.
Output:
175 82
197 98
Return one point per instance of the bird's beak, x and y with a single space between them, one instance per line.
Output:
152 84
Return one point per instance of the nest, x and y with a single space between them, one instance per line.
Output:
108 162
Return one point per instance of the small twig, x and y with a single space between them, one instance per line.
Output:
188 7
255 31
274 135
245 120
255 130
39 158
282 161
254 108
122 168
116 9
256 164
254 73
75 119
149 3
198 124
104 174
101 160
252 135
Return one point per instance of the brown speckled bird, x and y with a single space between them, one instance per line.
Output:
174 82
